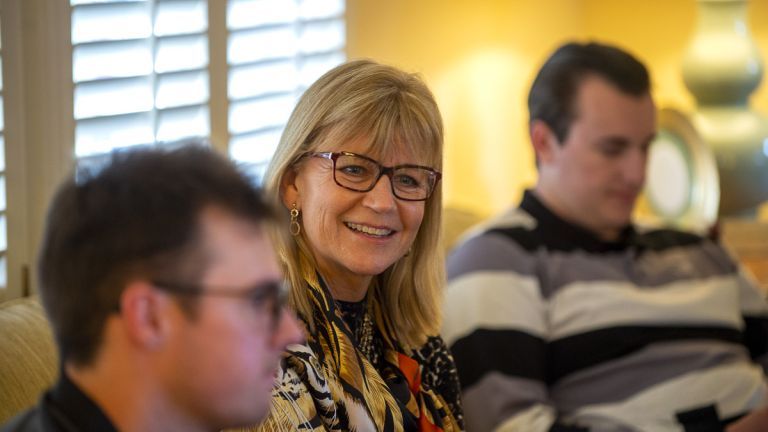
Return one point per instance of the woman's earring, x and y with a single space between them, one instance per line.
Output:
295 228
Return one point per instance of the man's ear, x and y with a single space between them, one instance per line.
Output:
543 140
145 314
289 190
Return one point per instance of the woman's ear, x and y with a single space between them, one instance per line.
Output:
289 191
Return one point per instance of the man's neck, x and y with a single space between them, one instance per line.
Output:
549 200
131 401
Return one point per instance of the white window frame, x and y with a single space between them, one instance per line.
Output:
38 100
39 118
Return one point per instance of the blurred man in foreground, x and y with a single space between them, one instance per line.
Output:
164 295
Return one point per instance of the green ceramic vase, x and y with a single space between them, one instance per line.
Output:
721 68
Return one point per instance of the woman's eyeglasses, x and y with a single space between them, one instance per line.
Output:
361 173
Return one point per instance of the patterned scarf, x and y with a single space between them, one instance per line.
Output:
327 384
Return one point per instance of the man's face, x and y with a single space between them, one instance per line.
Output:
594 177
221 363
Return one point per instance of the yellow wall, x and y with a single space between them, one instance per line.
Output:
479 57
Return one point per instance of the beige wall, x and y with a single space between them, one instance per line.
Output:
479 57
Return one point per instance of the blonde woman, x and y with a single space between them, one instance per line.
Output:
358 173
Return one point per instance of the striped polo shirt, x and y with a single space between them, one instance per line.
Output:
554 329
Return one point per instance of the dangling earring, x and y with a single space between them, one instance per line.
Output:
294 227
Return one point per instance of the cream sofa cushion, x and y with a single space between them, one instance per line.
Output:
28 359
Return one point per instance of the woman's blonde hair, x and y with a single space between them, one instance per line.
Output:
385 106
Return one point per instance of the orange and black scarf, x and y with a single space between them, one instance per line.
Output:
327 384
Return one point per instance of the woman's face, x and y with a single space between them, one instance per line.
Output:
353 235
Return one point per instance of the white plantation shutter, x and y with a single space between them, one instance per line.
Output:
118 73
140 72
140 69
275 50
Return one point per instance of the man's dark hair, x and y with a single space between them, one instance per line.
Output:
137 217
553 93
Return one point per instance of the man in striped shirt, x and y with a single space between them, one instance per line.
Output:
562 316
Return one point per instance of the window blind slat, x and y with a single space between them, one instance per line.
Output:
262 79
255 147
116 59
182 89
262 44
175 17
322 36
87 2
3 233
180 123
314 66
249 115
112 21
243 14
100 135
2 152
181 53
3 203
319 9
131 95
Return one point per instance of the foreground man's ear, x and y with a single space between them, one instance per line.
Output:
145 313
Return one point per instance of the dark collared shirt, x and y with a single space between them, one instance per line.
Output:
64 408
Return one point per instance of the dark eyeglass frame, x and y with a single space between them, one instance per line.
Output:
257 295
434 178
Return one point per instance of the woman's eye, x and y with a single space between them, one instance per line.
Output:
355 170
407 181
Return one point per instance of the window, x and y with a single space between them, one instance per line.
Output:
276 49
93 75
140 69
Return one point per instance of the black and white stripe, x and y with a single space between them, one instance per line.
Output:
540 313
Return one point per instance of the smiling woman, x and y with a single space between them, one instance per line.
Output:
357 171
